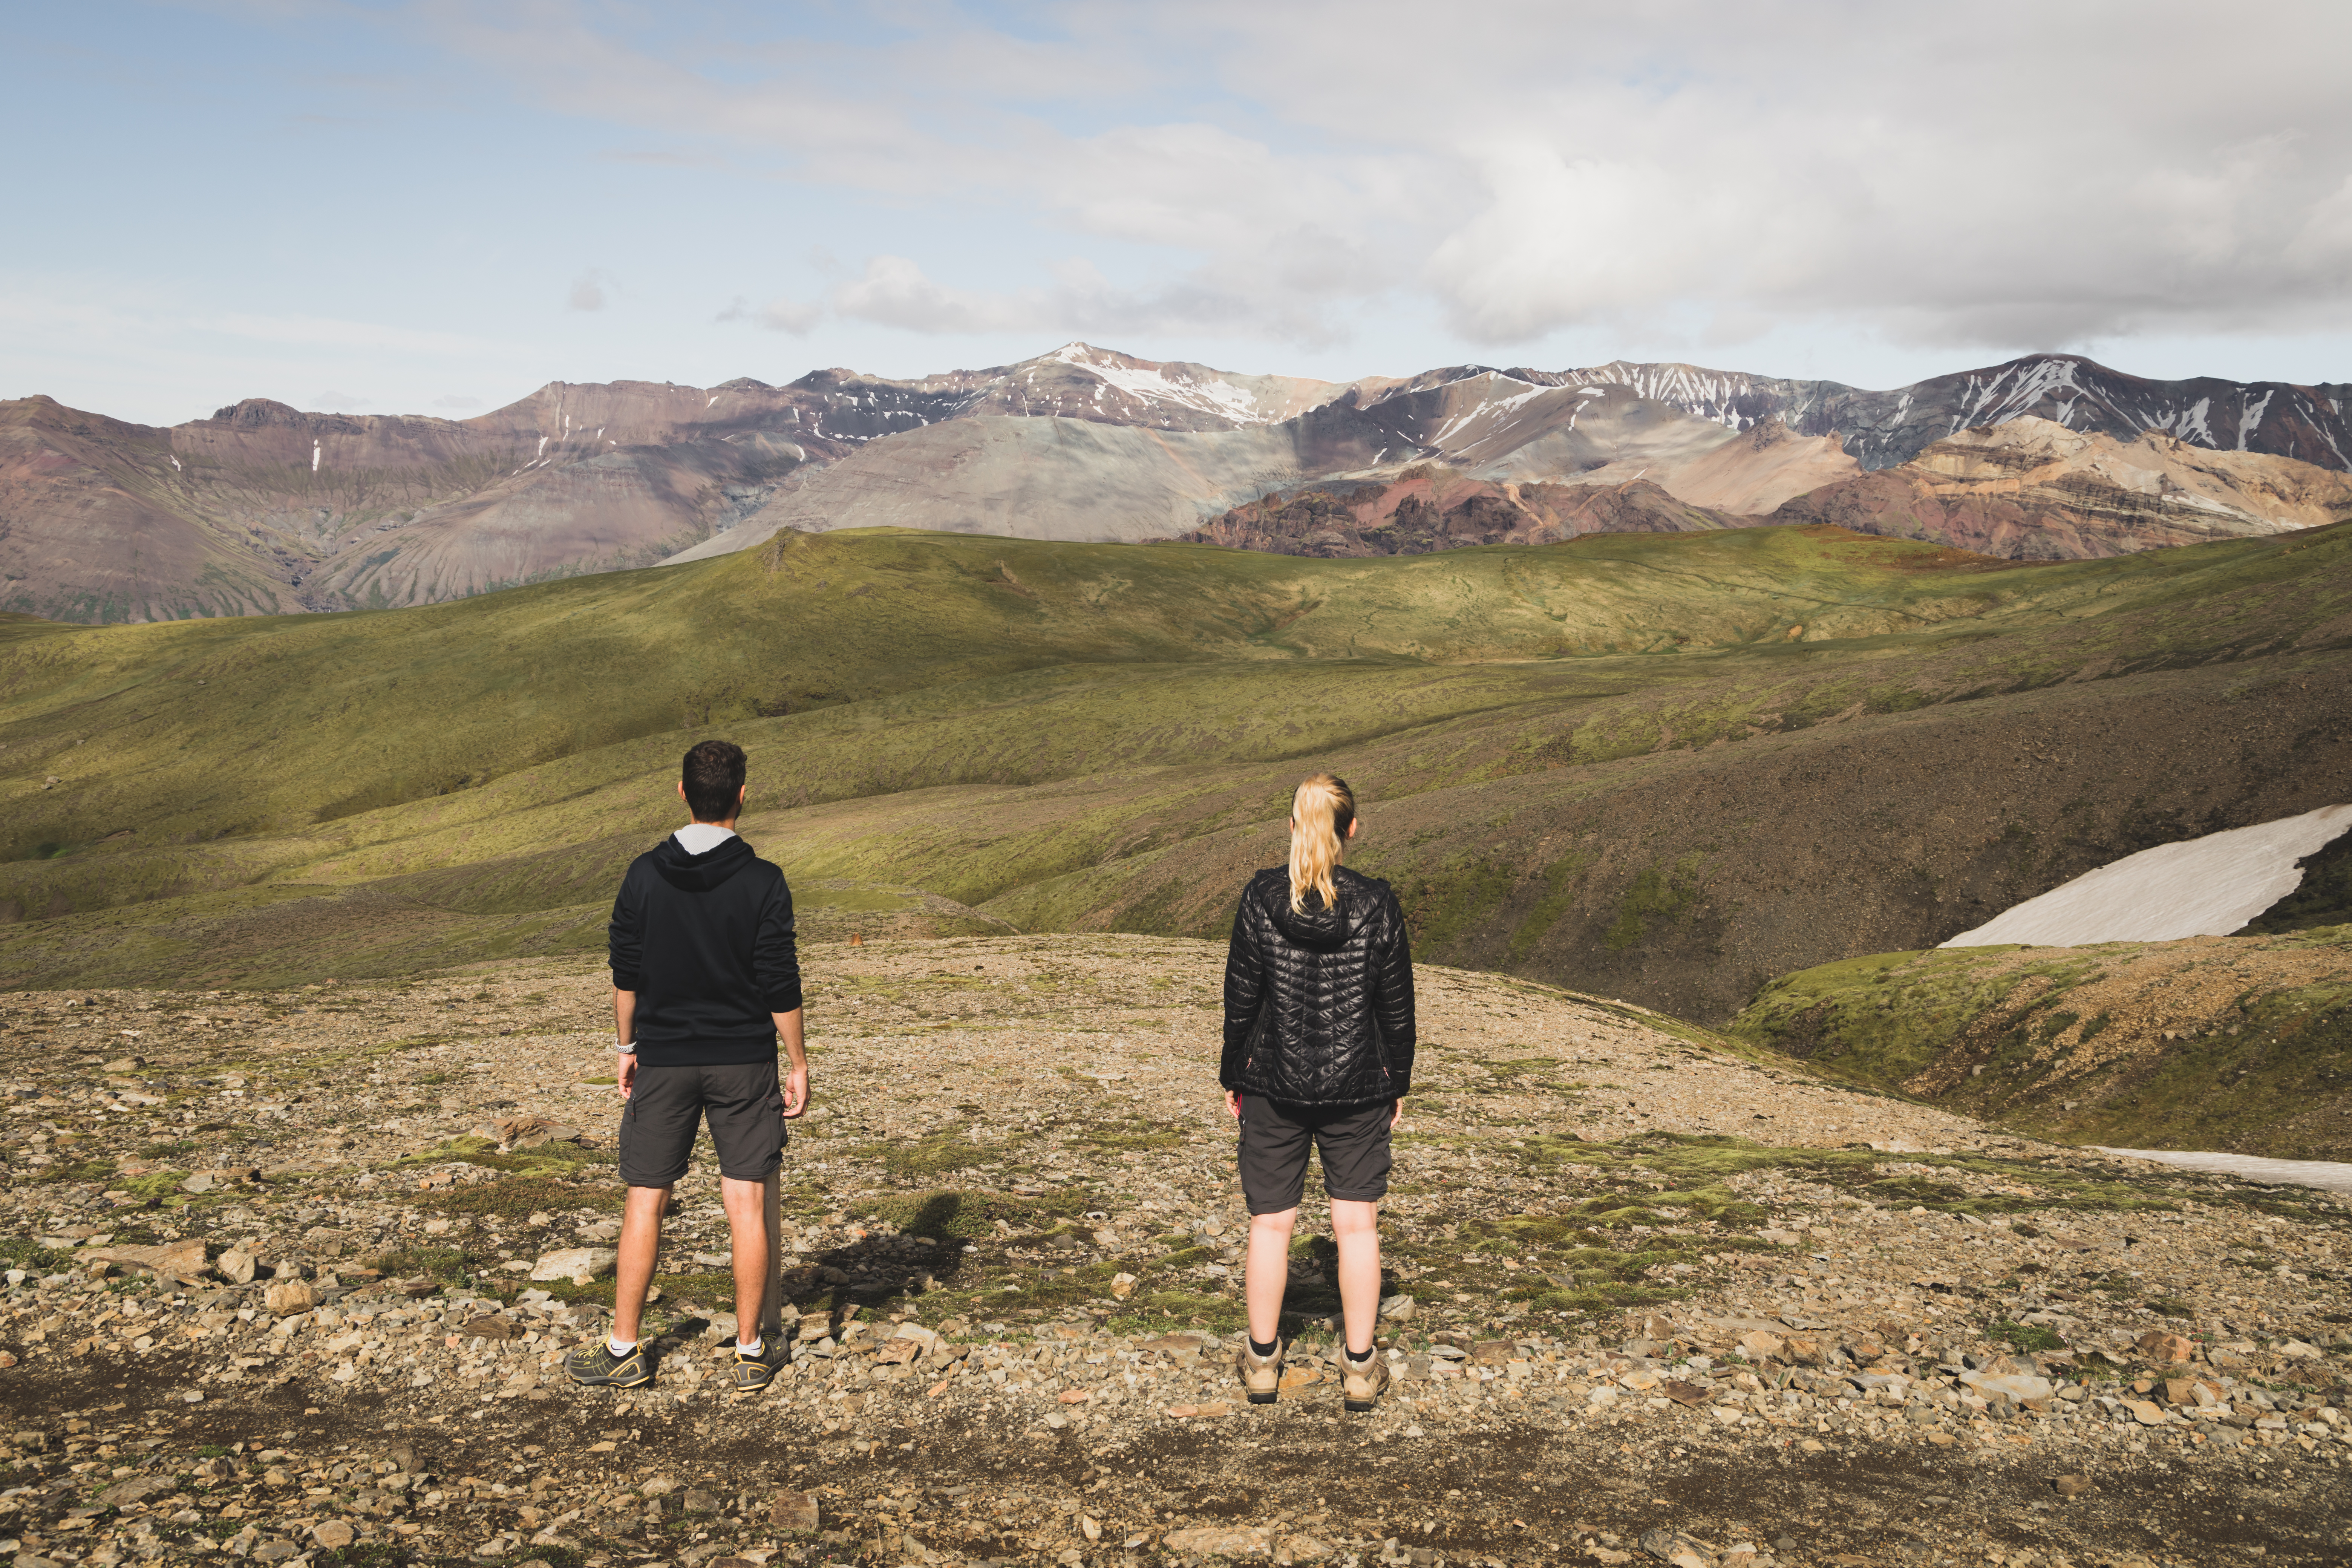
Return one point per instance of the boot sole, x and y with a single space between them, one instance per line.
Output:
1262 1398
1359 1407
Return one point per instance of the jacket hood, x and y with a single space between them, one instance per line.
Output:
700 873
1323 927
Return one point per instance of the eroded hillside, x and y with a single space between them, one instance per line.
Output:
1664 767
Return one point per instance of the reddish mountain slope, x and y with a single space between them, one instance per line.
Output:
2031 490
1430 508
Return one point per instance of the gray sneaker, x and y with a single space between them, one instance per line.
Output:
751 1373
595 1365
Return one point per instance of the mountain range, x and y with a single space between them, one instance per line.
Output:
264 509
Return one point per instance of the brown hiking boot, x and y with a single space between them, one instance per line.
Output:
1361 1388
1261 1375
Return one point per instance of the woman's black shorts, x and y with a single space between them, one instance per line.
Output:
1352 1140
744 1103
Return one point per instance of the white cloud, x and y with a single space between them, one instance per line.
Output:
2009 174
587 292
457 402
334 402
778 315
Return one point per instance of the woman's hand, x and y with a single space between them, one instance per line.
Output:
1234 1103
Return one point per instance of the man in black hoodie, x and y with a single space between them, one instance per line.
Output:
705 981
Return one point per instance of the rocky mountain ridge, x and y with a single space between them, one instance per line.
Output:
262 507
2027 490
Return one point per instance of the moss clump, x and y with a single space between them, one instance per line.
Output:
940 1153
2025 1336
23 1252
159 1186
79 1171
516 1197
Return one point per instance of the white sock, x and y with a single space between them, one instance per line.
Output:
754 1348
617 1348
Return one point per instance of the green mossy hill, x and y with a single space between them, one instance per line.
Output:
1659 767
2240 1043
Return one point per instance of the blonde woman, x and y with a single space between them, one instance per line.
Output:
1319 1049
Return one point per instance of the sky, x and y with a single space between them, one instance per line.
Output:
434 208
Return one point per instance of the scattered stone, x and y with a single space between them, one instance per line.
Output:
333 1535
123 1494
580 1265
2072 1486
1219 1541
182 1260
289 1296
1672 1546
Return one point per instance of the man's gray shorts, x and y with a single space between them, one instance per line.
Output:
744 1103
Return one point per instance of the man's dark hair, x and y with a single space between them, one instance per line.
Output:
713 776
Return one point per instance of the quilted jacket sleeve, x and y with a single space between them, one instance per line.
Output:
1245 992
1392 1000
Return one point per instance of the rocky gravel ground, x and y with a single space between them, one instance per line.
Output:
290 1275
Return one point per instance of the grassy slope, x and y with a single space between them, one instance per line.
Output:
1662 767
2240 1043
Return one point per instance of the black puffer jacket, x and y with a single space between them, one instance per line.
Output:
1318 1006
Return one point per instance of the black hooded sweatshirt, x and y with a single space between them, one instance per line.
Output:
706 942
1318 1006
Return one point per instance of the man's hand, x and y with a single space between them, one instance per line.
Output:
791 1035
1234 1103
1396 1114
624 1075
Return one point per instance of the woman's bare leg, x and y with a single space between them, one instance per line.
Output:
1356 1226
1268 1272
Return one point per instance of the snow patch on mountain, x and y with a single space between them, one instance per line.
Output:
2198 887
1154 387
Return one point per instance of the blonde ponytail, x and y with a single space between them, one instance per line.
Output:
1320 815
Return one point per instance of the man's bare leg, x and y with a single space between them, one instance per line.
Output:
1267 1273
641 1227
747 1222
1356 1227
